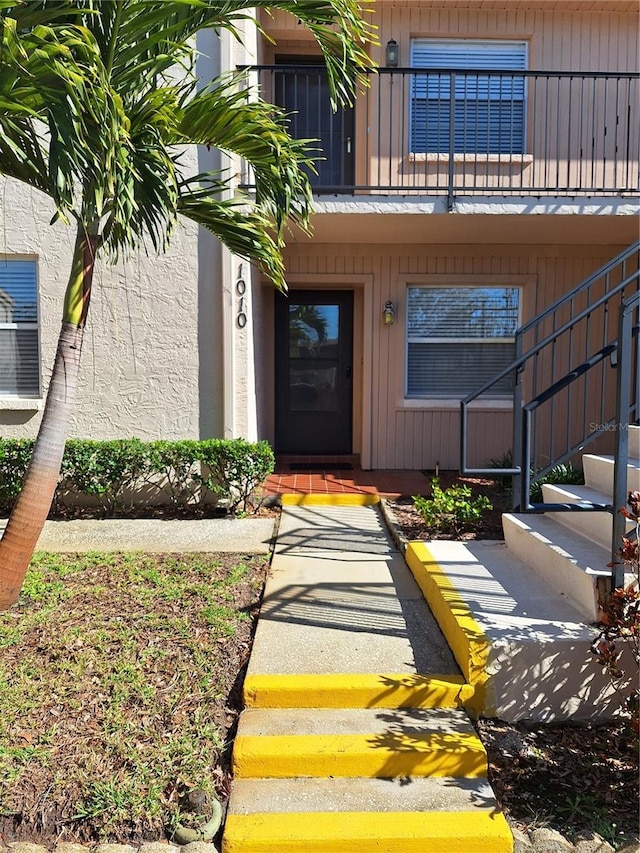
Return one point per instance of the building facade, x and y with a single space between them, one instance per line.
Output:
490 166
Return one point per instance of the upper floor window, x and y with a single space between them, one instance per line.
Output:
477 107
459 337
19 347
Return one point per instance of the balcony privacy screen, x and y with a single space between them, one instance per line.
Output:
488 110
458 337
19 356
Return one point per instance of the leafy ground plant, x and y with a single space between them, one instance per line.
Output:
119 691
451 510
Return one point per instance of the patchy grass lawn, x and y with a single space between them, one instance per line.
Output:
119 690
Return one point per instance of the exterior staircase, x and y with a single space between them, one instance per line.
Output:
519 615
336 750
354 735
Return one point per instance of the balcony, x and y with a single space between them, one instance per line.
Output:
466 133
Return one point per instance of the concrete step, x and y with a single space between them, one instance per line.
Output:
281 743
598 472
597 526
523 647
439 814
574 566
364 832
355 690
353 737
414 794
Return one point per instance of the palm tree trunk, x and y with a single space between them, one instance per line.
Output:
34 501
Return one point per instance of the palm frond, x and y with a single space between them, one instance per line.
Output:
225 117
243 229
114 85
342 31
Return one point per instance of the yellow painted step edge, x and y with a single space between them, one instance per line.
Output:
361 499
368 832
466 639
370 755
356 690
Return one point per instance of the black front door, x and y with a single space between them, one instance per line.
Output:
303 90
314 344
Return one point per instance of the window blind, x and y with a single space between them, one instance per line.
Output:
19 345
488 110
458 337
462 312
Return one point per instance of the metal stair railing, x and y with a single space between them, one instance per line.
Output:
600 394
627 398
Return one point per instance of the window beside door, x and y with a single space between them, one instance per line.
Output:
458 338
19 345
480 110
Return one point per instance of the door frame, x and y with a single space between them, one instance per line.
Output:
364 321
323 431
347 158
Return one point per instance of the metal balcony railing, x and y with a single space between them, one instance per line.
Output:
457 132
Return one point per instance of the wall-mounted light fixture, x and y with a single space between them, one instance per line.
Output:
392 54
388 313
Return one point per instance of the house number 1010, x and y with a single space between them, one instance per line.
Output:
241 289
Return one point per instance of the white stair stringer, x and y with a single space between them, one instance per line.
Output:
573 565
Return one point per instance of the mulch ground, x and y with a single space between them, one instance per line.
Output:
571 778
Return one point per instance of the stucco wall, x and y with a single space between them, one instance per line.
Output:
139 374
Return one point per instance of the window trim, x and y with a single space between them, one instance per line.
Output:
449 401
21 401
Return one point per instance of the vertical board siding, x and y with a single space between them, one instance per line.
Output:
560 41
406 434
570 115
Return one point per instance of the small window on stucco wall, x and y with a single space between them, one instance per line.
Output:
459 337
485 103
19 348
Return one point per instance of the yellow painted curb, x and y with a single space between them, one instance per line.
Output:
360 499
385 755
356 690
466 639
368 832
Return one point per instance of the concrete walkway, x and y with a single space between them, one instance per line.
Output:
354 736
233 535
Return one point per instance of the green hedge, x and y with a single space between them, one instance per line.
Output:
116 476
